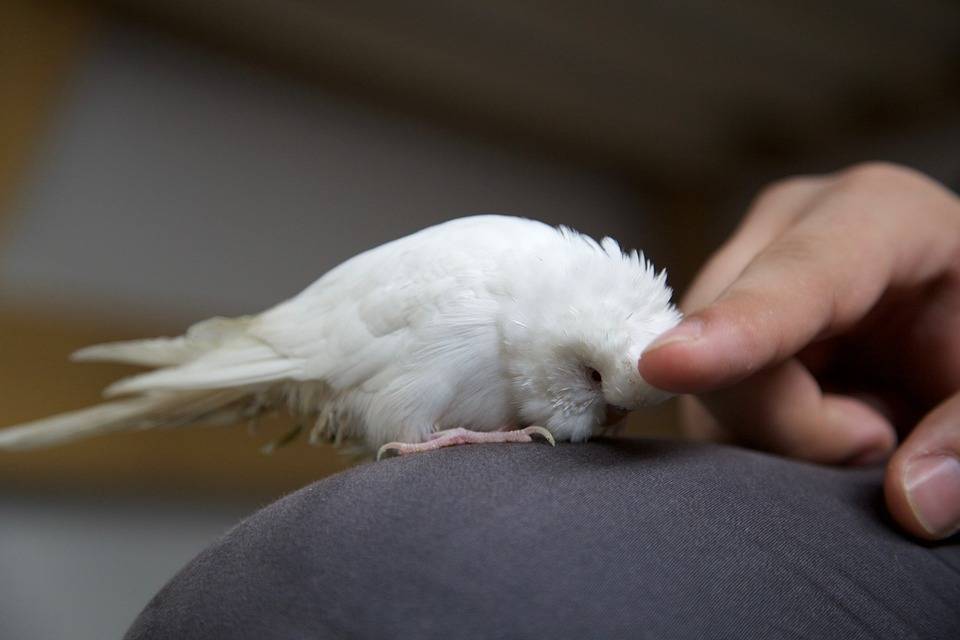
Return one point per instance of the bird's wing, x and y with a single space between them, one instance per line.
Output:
360 321
355 325
200 339
240 362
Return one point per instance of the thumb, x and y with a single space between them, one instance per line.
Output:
922 484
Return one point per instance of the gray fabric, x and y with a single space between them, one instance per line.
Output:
639 539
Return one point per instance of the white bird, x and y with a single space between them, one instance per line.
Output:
481 329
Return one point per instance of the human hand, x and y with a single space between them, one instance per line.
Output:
828 323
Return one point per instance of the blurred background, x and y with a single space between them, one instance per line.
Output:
162 161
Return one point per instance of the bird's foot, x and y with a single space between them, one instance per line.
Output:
452 437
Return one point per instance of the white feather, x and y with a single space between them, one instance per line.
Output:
140 412
483 322
201 338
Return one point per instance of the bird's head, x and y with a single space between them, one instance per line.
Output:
575 334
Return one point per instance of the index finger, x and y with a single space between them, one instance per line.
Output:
877 226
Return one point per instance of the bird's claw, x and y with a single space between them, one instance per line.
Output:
389 450
541 433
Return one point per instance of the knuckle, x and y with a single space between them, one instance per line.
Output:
771 200
882 197
877 174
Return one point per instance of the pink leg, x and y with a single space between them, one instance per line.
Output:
451 437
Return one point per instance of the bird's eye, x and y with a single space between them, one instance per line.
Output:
595 375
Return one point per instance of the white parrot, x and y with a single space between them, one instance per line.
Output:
481 329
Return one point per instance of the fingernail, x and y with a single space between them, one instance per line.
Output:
687 331
933 491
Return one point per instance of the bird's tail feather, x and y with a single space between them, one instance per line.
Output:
146 411
213 373
155 352
200 339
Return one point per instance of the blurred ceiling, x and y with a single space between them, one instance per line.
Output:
679 90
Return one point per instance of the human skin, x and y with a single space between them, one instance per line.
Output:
827 328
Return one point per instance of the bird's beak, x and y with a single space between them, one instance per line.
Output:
615 414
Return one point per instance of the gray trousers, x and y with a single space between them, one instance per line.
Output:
634 539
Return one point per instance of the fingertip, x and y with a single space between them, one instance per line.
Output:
841 430
676 367
681 360
870 438
689 330
895 496
922 483
717 347
923 494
